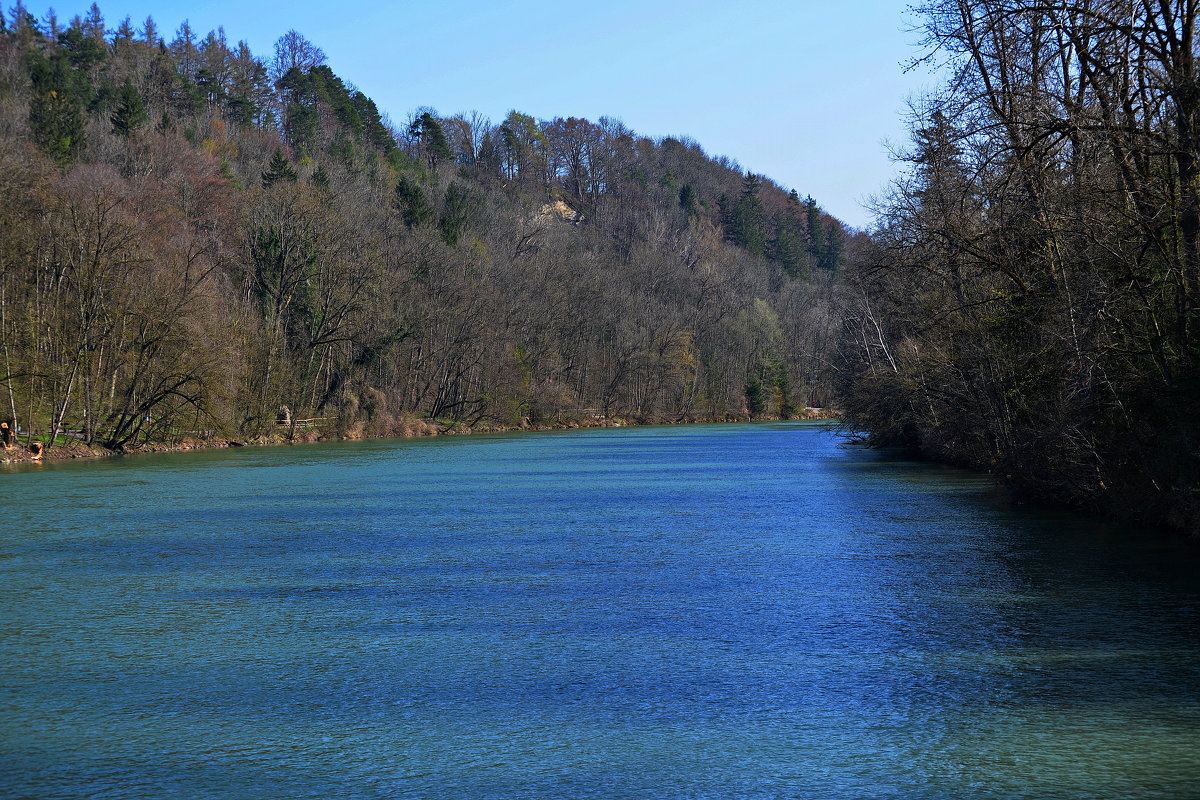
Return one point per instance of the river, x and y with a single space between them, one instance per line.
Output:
715 611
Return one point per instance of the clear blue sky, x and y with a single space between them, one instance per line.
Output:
805 92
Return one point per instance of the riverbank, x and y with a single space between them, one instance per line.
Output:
404 429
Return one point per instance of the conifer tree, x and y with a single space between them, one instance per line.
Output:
278 170
687 199
411 202
150 33
455 213
745 226
756 396
816 234
57 123
130 113
835 242
432 138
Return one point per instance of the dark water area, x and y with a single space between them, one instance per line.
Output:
726 611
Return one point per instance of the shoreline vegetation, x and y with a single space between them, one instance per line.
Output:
1030 302
67 449
197 239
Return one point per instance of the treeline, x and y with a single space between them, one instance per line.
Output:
197 239
1032 303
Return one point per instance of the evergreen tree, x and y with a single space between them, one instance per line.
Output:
835 243
319 178
301 116
56 121
783 388
816 234
247 93
375 132
278 170
687 199
130 113
428 132
745 225
410 201
756 396
789 249
456 208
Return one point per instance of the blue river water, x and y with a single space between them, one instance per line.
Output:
717 612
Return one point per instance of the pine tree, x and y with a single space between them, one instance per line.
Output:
411 202
56 121
782 384
432 138
456 209
835 243
278 170
150 33
130 113
816 234
687 199
756 396
745 226
789 249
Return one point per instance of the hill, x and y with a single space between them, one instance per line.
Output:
197 240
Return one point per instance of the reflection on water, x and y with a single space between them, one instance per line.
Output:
700 612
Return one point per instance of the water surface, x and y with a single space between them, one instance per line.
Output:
742 611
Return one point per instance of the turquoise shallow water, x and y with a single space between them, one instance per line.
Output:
742 611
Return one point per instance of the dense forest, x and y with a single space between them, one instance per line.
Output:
197 240
1031 302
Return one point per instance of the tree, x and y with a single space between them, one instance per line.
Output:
431 139
150 34
572 143
93 24
410 201
293 51
278 170
125 34
687 199
185 51
522 148
240 258
789 248
456 210
834 244
1037 275
214 74
816 233
248 96
744 226
130 113
57 124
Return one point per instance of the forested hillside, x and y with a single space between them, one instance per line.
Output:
195 238
1033 302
